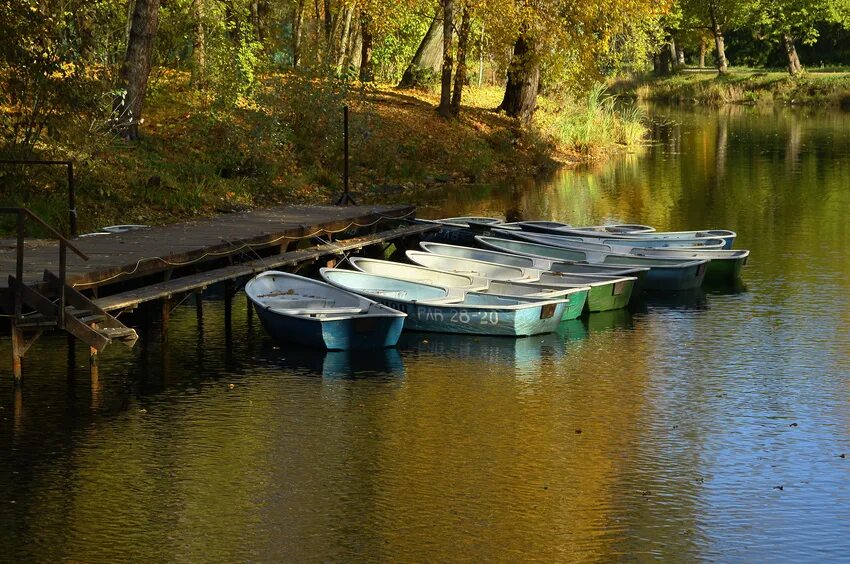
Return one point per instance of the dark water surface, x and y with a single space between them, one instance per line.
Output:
666 431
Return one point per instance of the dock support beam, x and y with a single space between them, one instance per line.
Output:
166 318
18 347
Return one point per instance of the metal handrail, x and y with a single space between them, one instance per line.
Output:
64 244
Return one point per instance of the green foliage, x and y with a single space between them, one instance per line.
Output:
596 122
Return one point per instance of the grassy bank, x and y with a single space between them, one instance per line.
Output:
743 86
284 145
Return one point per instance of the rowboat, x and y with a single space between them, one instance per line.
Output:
452 310
664 273
547 226
703 243
552 228
603 293
537 263
724 265
313 313
575 295
462 229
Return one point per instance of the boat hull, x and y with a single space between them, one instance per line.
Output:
356 333
441 318
610 296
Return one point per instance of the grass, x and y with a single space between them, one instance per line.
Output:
284 145
743 86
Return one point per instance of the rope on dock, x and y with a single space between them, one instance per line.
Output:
236 250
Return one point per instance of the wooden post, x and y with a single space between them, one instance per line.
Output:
72 358
228 314
166 317
17 353
199 309
96 388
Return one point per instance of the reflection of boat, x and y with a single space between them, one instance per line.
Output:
316 314
664 274
451 310
609 320
689 299
523 357
344 365
575 330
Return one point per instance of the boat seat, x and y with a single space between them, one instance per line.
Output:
318 311
297 302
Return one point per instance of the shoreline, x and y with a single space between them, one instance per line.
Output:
198 157
748 87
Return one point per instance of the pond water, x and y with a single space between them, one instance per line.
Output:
705 427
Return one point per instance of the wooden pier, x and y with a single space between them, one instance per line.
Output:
43 288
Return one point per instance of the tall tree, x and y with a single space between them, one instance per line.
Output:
520 99
460 72
297 25
717 30
446 73
432 41
199 45
367 72
136 68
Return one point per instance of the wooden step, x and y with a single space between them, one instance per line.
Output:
118 333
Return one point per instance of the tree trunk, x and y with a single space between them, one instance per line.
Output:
343 39
199 47
794 66
328 24
460 72
297 21
446 74
702 47
722 64
673 59
520 99
232 22
367 73
680 57
136 68
428 43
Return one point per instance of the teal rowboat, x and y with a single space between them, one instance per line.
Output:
604 292
576 295
664 274
451 310
537 263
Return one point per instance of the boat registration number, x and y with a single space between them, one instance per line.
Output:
453 315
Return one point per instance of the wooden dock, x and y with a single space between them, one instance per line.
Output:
163 263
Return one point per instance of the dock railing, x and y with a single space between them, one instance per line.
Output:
64 244
72 191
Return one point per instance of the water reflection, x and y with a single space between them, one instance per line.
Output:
663 431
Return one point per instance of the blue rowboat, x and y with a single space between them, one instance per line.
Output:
575 295
664 274
461 230
451 310
572 268
564 229
309 312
